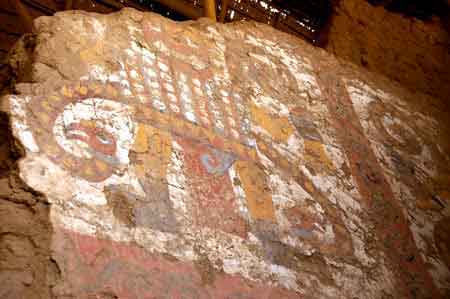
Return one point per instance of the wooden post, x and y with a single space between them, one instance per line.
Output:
210 9
68 5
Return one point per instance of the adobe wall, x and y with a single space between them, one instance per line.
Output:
413 52
202 160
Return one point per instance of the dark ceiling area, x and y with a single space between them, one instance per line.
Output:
304 18
421 9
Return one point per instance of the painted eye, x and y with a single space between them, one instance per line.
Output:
103 139
97 138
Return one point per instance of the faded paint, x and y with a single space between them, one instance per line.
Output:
222 153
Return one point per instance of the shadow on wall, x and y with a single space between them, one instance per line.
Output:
26 268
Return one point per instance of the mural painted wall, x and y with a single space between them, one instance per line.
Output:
198 160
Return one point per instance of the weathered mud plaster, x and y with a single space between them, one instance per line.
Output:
201 160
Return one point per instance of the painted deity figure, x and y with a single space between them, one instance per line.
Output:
175 147
223 152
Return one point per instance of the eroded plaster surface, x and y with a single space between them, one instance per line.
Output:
197 160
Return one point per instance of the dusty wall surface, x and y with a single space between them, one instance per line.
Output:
200 160
26 266
410 51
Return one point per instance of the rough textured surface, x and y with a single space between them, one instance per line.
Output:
199 160
413 52
26 267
